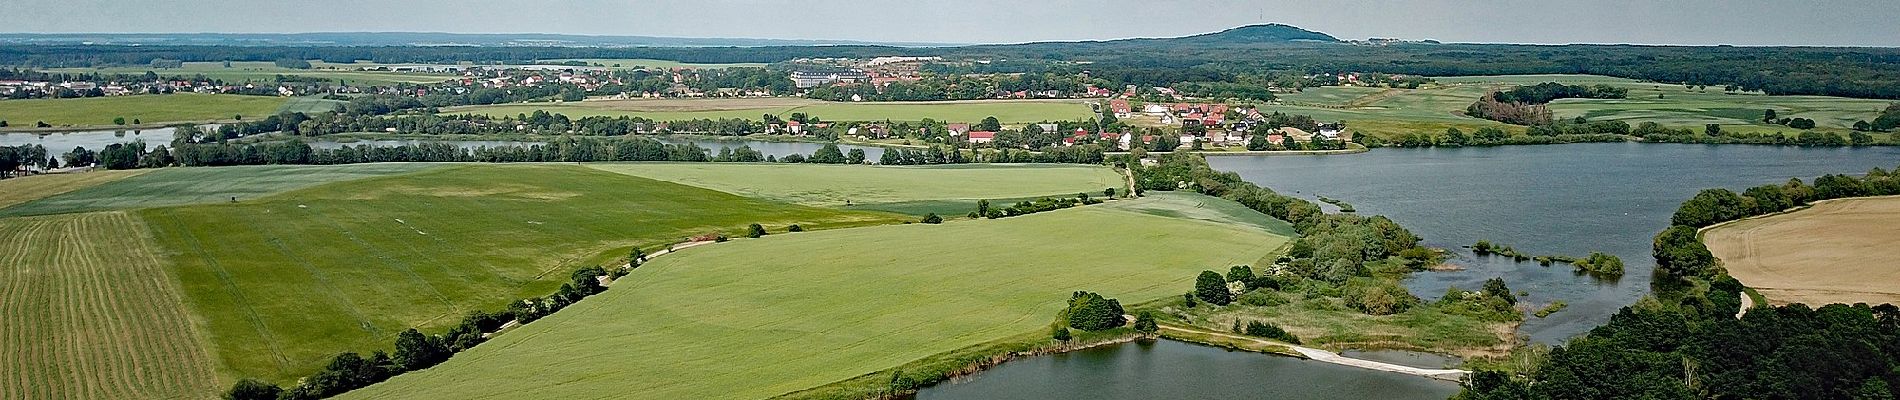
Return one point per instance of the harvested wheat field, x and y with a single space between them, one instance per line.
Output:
1840 251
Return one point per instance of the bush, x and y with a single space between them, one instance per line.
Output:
1378 296
1270 331
1187 299
794 228
932 218
252 389
755 231
1600 264
1061 334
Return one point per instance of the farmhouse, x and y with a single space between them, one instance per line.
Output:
980 137
1120 108
956 128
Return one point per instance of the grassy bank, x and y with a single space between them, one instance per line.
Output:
940 188
782 314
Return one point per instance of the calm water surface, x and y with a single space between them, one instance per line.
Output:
1559 199
64 142
1174 370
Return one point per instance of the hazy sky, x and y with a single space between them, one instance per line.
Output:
1739 22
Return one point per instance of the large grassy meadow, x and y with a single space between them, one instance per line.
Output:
286 281
1007 111
148 109
122 190
893 188
92 314
757 318
23 189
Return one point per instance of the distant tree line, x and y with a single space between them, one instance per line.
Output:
1850 72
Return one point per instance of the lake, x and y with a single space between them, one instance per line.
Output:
1557 199
1167 369
64 142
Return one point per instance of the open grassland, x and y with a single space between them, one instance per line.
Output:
266 71
891 188
631 63
757 318
309 105
92 314
1007 111
148 109
178 186
1838 251
1190 205
28 188
287 281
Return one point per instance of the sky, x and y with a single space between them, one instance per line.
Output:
1691 22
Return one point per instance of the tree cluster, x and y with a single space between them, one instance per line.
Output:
1092 312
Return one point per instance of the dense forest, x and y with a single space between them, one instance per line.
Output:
1686 341
1851 72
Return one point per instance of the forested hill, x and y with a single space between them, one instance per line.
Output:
1221 56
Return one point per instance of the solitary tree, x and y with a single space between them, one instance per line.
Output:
636 257
1211 288
754 231
794 228
1768 116
1145 323
932 218
1712 130
118 120
989 124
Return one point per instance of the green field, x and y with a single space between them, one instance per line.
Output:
906 189
630 63
23 189
309 105
265 71
179 186
1190 205
92 314
759 318
1007 111
1392 112
148 109
286 281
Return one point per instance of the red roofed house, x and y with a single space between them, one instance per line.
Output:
982 137
1120 108
957 129
794 127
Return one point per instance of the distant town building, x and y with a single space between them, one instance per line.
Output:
805 79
